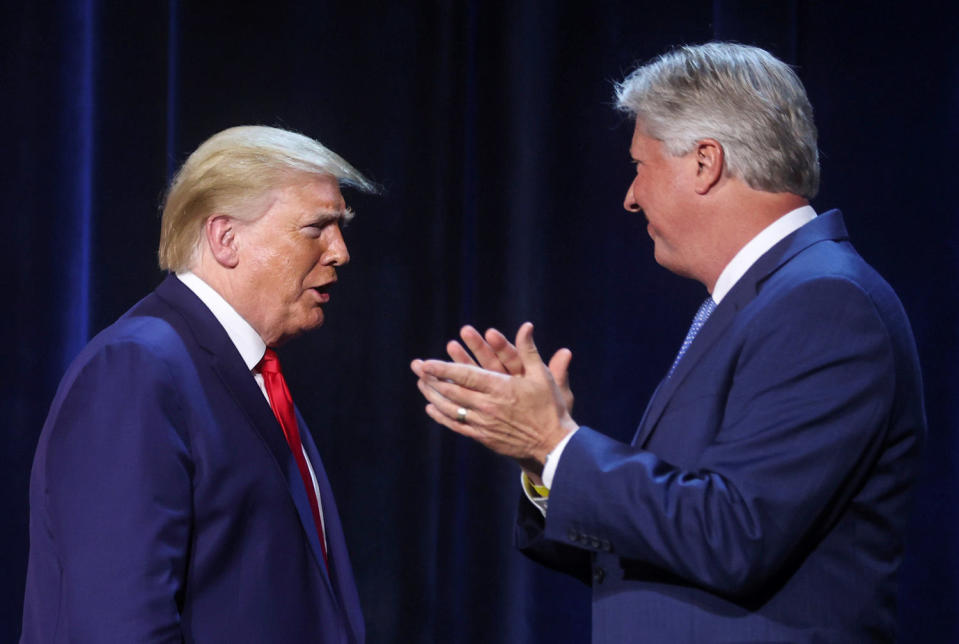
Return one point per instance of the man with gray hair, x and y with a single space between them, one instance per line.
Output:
176 493
763 497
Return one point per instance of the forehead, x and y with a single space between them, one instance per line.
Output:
321 191
309 196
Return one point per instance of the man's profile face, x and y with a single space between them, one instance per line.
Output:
661 190
288 259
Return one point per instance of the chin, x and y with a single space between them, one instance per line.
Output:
661 258
670 264
315 322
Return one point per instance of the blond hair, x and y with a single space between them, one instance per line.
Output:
228 174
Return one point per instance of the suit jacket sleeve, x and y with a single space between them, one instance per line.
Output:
118 491
795 420
530 539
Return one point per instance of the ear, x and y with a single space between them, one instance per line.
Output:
710 159
220 232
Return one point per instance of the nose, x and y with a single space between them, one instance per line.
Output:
629 203
336 253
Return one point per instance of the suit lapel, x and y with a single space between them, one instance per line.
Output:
250 399
825 227
339 562
229 366
707 336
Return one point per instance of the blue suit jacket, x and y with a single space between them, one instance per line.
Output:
765 494
165 504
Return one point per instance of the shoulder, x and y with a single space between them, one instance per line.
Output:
830 265
133 343
125 393
142 356
827 300
827 277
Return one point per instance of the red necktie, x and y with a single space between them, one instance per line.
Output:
282 404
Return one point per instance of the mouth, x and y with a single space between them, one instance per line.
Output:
322 292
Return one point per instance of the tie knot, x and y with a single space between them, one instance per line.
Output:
270 363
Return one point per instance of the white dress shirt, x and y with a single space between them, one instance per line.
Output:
246 340
734 270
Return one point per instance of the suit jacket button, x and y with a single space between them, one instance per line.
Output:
599 574
573 535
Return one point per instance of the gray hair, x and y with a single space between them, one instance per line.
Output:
229 173
745 98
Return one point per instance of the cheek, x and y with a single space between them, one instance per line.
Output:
277 279
281 264
265 260
310 261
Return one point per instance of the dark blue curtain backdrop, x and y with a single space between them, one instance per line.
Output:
490 126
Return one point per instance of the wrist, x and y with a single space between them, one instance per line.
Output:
565 428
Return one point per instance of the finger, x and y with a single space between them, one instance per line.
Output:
467 376
449 397
559 367
432 395
485 355
447 407
527 348
416 366
446 421
438 400
505 351
458 354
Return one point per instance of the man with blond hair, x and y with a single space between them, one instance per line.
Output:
176 493
764 495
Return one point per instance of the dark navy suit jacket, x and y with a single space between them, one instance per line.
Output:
765 494
165 504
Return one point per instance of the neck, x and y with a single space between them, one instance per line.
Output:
223 282
213 278
737 221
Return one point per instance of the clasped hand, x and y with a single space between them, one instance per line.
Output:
514 404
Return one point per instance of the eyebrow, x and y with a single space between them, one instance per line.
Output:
344 216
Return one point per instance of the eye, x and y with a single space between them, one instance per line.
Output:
314 230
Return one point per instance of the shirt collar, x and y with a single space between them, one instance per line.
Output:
247 341
758 246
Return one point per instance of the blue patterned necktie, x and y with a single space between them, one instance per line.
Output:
705 310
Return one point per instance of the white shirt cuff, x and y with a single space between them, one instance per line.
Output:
541 502
549 470
552 460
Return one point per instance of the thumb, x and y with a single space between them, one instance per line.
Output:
528 352
559 367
